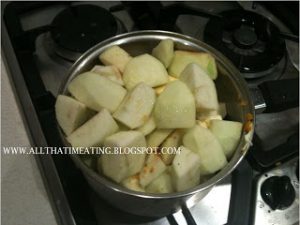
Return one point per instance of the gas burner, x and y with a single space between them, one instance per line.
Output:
77 28
249 40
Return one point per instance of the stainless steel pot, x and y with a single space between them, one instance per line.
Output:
232 89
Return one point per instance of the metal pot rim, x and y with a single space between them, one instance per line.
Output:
245 140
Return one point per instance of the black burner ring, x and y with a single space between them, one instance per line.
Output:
78 28
245 37
251 41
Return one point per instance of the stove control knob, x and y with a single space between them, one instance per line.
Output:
278 192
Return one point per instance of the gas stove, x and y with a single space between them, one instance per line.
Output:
41 41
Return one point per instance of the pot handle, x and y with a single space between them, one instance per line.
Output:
280 95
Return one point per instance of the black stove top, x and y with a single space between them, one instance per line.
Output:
41 40
247 39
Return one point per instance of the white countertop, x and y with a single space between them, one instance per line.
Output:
23 195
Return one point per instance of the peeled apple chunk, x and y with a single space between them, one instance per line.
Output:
70 114
144 68
96 91
134 162
161 184
164 51
202 142
185 169
114 166
93 132
153 168
160 89
157 137
182 58
175 107
115 56
172 141
133 183
111 72
148 127
136 107
201 86
228 133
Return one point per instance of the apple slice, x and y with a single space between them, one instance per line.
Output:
136 107
182 58
201 86
160 89
111 72
144 68
164 51
93 132
202 141
157 137
161 184
115 166
175 107
148 127
153 168
228 133
133 183
70 114
173 140
115 56
96 91
204 118
90 161
130 139
185 169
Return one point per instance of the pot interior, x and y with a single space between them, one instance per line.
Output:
231 88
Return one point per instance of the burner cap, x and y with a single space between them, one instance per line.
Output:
249 40
80 27
245 37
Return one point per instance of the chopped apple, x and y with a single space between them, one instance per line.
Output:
111 72
204 118
164 51
130 139
161 184
115 56
208 115
145 68
122 127
133 183
228 133
148 127
157 137
136 107
153 168
96 91
172 78
89 160
93 132
175 107
185 170
182 58
201 86
160 89
115 166
202 141
173 140
70 114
